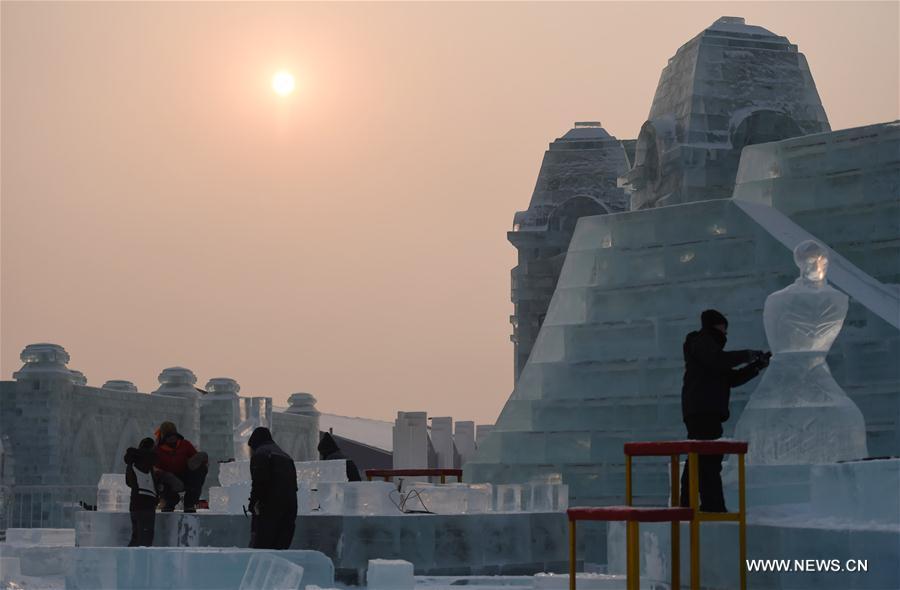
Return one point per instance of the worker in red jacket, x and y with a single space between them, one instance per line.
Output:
182 468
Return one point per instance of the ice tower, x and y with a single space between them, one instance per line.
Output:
607 365
731 86
577 178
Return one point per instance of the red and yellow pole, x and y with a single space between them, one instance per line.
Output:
628 480
742 520
676 525
694 491
571 555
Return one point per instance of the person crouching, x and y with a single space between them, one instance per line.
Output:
181 468
141 478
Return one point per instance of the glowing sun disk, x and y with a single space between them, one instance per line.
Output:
283 83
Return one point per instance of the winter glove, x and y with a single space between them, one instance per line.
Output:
760 358
761 362
130 455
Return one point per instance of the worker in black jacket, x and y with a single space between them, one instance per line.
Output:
709 374
330 451
273 493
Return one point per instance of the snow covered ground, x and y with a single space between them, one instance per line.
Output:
539 582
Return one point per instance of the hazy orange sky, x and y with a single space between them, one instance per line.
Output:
162 206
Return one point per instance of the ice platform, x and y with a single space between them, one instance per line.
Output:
520 543
196 568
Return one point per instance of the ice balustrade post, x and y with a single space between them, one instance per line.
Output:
43 386
798 413
180 382
222 392
120 385
177 382
219 414
303 404
46 361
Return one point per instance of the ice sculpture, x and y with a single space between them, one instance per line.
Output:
113 494
798 413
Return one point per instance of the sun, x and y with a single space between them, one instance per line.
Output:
283 83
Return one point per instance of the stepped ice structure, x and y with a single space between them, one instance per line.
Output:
731 86
60 435
577 178
607 365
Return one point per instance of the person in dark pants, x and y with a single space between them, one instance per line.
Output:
182 468
141 478
709 374
330 451
273 493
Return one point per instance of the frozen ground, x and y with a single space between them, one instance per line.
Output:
540 582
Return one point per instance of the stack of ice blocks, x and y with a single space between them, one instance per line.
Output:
113 495
234 479
535 496
452 498
545 497
366 498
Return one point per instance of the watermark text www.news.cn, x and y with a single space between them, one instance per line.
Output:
807 565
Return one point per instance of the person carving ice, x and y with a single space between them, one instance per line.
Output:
709 374
798 413
182 468
273 493
141 478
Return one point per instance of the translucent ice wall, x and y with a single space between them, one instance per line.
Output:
607 365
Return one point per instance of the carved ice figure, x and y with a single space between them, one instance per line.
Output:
798 413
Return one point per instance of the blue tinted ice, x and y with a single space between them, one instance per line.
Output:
798 413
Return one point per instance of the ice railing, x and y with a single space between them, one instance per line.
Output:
43 506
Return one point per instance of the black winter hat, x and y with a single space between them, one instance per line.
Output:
327 444
259 437
711 317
